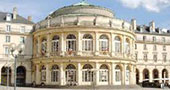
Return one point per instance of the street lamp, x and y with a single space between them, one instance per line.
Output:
15 52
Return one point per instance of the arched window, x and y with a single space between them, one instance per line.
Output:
117 44
145 74
55 73
55 43
103 73
71 43
118 74
127 46
104 43
70 74
43 73
87 43
44 46
87 73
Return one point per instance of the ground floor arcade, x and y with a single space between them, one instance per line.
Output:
153 73
84 74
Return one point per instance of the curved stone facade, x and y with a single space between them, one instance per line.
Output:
84 50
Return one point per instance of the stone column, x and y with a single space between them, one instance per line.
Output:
160 76
79 74
110 44
123 45
62 75
28 76
123 74
97 74
150 76
113 74
12 75
140 76
47 75
79 44
38 76
48 45
62 45
39 46
97 44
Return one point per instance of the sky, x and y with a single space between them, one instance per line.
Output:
144 11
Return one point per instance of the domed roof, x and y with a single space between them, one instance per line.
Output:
83 8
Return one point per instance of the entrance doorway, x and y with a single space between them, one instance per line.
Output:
21 75
6 76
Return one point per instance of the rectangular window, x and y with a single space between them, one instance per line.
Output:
8 28
136 46
164 48
144 47
136 56
7 39
155 58
145 56
22 29
6 50
164 57
154 48
22 40
154 39
144 38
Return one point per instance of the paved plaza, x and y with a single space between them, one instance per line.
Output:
86 88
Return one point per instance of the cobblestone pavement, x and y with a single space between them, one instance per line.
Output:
88 88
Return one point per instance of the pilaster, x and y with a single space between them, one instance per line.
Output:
97 44
113 73
150 76
48 45
97 74
47 74
62 75
79 44
63 49
37 75
79 74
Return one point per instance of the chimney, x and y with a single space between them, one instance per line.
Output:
133 23
152 26
29 18
14 13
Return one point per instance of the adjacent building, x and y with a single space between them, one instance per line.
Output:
14 29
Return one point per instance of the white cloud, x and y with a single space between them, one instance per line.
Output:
150 5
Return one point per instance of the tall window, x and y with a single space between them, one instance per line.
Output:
44 46
87 73
145 47
8 28
154 39
6 49
22 29
22 40
117 44
145 57
55 44
55 73
43 73
163 40
103 73
144 38
118 74
154 47
104 43
87 42
127 47
136 56
8 39
71 43
164 47
136 46
155 58
164 57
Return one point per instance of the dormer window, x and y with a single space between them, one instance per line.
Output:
8 17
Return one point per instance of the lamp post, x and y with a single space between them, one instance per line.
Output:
15 52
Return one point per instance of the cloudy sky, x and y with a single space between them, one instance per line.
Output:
143 11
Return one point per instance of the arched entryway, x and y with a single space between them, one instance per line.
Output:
165 75
21 76
146 75
137 76
6 76
155 75
70 74
104 74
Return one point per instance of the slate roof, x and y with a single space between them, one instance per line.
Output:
19 19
